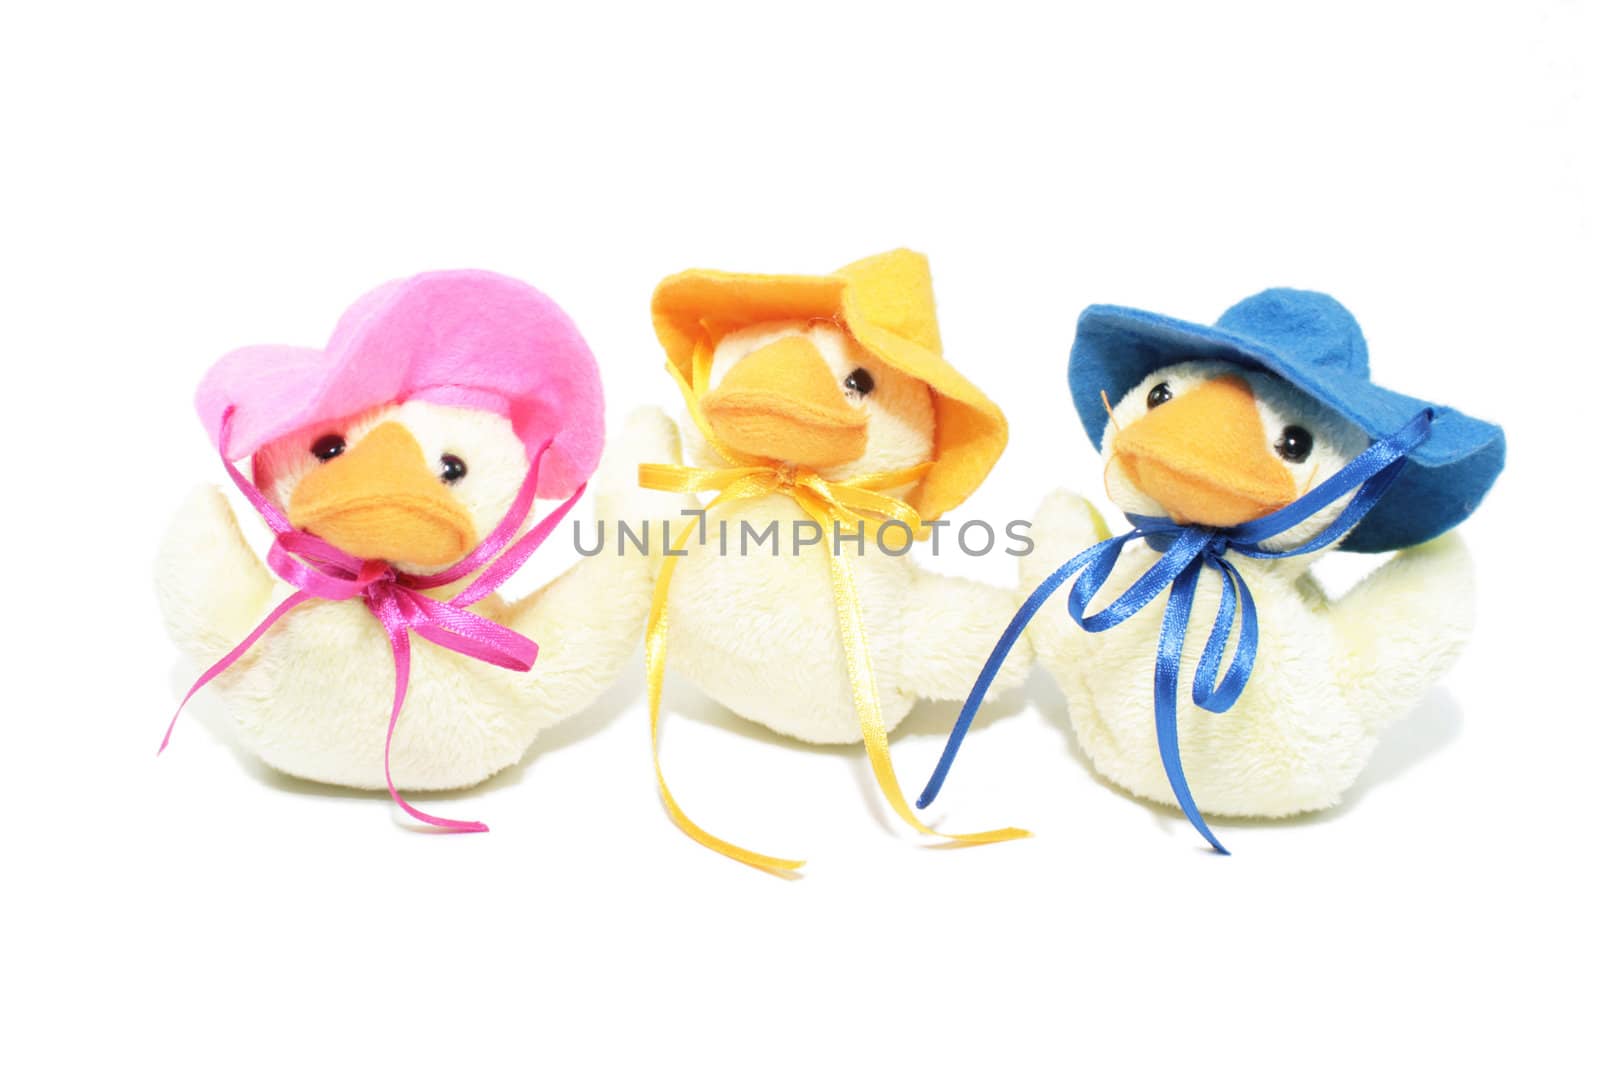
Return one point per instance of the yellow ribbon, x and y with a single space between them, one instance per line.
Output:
855 501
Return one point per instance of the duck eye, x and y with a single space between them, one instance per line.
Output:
327 446
1158 395
1294 444
452 468
860 381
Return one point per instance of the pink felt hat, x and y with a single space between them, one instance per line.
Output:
464 338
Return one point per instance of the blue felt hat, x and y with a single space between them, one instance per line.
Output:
1311 341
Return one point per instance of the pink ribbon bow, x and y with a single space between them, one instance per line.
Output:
320 571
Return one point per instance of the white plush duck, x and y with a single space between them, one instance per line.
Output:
408 441
1213 428
839 377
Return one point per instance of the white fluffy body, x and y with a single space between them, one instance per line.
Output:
1329 678
312 697
760 634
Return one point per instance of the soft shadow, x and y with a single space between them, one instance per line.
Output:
1043 693
926 718
884 816
1431 727
682 698
935 717
861 770
622 694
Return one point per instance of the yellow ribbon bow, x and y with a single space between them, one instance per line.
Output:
857 502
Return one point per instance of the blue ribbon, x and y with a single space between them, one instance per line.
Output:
1185 552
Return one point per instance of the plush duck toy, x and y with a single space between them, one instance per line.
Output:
822 414
1242 453
397 469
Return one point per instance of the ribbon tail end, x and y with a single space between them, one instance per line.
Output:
935 783
1199 823
1211 838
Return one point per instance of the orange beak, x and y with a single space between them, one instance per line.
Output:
780 402
1204 457
382 500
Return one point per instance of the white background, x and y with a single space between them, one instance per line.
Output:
178 182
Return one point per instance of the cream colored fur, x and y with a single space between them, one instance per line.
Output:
312 697
1330 675
761 634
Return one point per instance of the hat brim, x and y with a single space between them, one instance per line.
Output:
459 338
1444 481
886 304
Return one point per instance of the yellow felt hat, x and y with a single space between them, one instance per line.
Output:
886 303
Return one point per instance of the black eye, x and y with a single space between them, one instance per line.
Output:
327 446
1294 444
860 381
452 468
1158 396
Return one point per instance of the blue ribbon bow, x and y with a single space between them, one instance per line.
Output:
1185 552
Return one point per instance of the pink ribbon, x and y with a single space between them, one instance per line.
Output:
320 571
